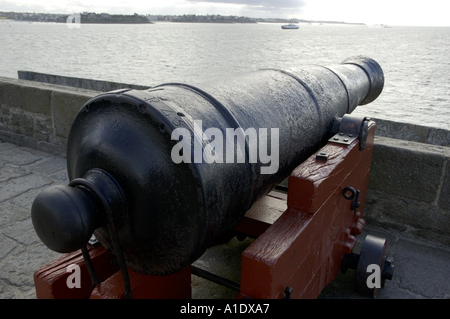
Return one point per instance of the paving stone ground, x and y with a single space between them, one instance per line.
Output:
422 268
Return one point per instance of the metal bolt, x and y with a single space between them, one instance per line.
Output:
322 156
288 293
142 108
388 269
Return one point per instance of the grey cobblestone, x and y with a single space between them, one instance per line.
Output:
24 173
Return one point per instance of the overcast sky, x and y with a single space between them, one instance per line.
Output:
392 12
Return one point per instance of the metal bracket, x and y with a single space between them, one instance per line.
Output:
352 128
354 197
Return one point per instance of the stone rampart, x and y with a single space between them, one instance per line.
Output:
37 114
89 84
409 187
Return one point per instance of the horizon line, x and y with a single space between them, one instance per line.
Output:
255 18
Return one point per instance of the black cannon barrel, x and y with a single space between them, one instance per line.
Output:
177 165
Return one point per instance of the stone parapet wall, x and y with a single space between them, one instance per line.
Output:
33 113
89 84
413 132
409 188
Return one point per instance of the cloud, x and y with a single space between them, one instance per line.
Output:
263 4
71 6
251 8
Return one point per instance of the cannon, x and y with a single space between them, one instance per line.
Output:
159 174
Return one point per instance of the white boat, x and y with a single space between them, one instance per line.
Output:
290 26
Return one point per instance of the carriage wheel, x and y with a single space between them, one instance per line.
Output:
373 253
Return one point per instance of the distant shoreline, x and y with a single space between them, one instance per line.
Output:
106 18
60 22
83 18
186 22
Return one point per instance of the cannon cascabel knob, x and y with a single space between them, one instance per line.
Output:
65 217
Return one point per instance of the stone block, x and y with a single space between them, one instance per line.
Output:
393 209
444 196
408 169
90 84
65 105
413 132
40 110
5 115
43 128
27 97
439 137
21 123
409 188
4 110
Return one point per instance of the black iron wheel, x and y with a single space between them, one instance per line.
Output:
373 266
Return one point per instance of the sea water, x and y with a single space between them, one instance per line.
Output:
415 60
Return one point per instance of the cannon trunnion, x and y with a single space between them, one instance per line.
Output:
157 175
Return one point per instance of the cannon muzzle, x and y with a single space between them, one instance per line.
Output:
177 165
